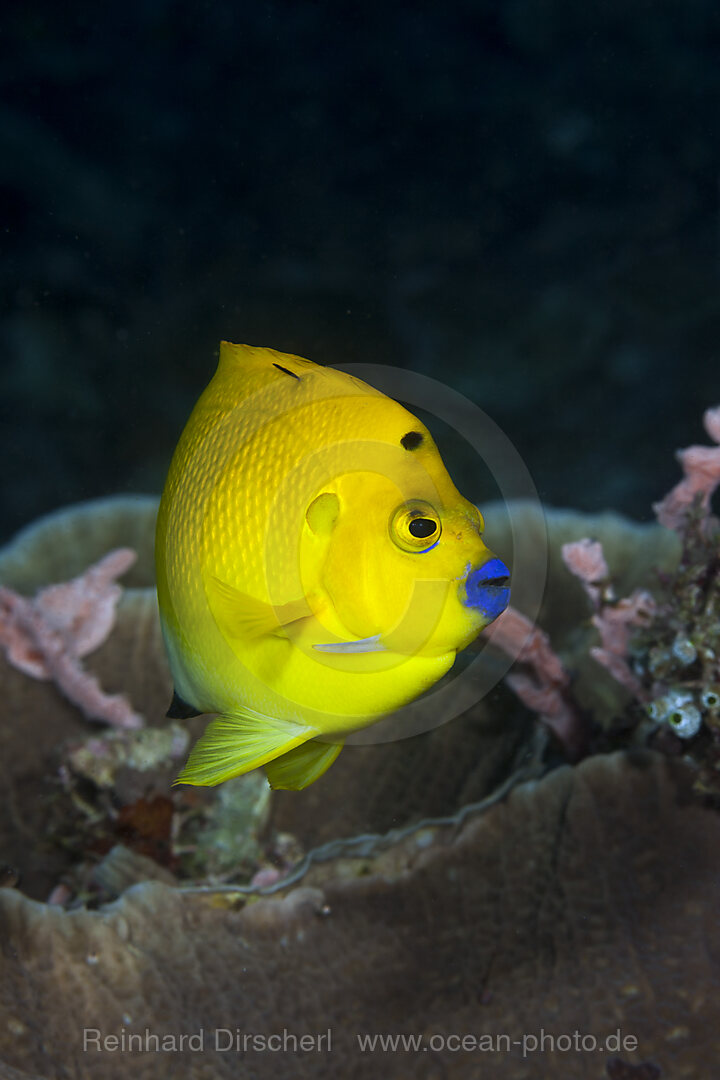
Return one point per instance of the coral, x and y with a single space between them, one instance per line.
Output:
591 699
661 650
44 833
557 909
98 758
38 813
701 466
546 688
62 544
46 637
432 921
225 840
124 867
615 622
586 560
665 650
617 1069
678 658
44 823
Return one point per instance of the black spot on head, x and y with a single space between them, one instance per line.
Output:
287 372
412 440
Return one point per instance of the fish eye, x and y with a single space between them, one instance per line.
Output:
415 527
421 527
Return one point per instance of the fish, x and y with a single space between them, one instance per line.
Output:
317 568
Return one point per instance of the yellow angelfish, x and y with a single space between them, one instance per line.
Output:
316 566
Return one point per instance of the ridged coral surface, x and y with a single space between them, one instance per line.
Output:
586 902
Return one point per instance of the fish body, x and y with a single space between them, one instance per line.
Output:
316 566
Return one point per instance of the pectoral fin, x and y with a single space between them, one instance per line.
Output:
241 616
302 766
235 744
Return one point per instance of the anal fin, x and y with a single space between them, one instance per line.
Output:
299 768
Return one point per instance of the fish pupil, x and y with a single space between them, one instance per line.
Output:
421 528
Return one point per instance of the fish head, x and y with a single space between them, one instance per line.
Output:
405 558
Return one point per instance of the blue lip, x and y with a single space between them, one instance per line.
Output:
487 589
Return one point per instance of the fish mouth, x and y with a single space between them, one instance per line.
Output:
487 589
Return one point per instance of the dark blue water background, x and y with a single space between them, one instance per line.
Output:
519 198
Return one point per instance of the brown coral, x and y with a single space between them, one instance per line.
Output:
561 909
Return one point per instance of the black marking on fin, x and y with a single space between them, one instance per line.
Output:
287 372
179 709
412 440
